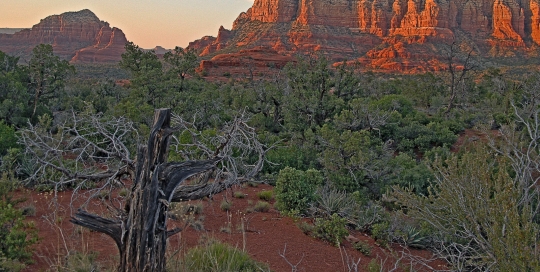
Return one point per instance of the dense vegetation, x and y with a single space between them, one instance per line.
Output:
352 149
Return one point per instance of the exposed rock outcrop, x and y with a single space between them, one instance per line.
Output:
159 50
76 36
383 33
108 47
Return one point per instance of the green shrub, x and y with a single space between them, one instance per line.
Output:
262 206
466 198
225 205
368 215
410 173
290 156
10 265
332 230
330 201
362 247
265 195
7 138
81 262
253 184
394 102
374 266
239 194
411 236
380 233
305 227
295 189
104 194
218 256
124 192
17 236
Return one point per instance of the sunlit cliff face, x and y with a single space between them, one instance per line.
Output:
502 19
76 36
388 29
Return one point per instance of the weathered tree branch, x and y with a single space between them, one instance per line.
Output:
174 173
111 227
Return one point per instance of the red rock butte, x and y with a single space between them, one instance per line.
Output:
387 34
75 36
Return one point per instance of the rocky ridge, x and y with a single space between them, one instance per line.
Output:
76 36
10 30
387 34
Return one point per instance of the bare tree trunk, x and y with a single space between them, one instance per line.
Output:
141 232
457 79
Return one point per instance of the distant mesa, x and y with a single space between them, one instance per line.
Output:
160 50
402 35
79 37
6 30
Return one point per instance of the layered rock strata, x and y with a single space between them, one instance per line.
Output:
76 36
373 29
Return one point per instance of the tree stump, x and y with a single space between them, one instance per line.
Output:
141 232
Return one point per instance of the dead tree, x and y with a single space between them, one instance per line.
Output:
89 148
458 74
141 233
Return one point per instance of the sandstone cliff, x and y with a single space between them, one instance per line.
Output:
390 33
76 36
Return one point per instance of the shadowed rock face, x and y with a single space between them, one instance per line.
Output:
374 30
108 47
76 36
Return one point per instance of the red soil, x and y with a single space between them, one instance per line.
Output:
472 135
265 235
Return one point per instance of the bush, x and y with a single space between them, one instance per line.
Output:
332 230
374 266
10 265
362 247
380 233
218 256
330 201
293 156
16 235
411 236
295 189
7 138
410 173
124 192
262 206
265 195
225 205
239 194
81 262
393 102
368 215
305 227
464 212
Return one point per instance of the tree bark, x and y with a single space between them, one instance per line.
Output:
141 232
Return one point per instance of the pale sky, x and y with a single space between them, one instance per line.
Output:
147 23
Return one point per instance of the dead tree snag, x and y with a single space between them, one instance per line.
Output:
141 231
